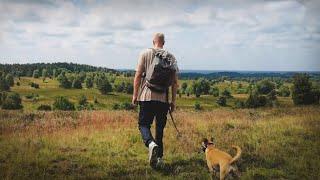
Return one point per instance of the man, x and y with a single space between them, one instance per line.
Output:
154 104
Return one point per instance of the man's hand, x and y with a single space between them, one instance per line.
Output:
134 101
172 106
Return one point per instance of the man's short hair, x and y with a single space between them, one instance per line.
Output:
159 36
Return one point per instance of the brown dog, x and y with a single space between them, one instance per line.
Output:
216 157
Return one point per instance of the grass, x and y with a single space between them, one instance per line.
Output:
50 88
277 143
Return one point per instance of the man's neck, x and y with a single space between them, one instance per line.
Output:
158 47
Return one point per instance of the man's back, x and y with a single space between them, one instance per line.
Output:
144 62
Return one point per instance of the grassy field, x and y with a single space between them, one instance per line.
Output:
50 88
277 143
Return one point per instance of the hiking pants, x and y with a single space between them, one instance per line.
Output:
148 111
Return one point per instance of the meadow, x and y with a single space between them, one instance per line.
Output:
278 142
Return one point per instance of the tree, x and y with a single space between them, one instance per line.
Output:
12 101
4 85
214 91
63 80
128 88
226 93
103 85
35 73
119 87
82 100
89 81
302 90
184 87
44 74
10 79
284 91
76 83
222 101
265 86
62 103
54 73
255 100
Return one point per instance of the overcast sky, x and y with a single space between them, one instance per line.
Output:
207 35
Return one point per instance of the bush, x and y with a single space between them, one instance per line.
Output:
82 100
30 96
302 90
239 104
4 85
214 91
10 79
62 103
34 85
116 106
44 107
103 85
76 83
12 101
18 83
89 82
265 86
284 91
95 100
197 106
126 106
226 93
63 80
35 73
222 101
255 100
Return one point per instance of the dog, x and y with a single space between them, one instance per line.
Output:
217 159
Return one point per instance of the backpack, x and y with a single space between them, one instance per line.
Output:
160 73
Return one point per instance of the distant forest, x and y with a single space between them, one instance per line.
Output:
28 69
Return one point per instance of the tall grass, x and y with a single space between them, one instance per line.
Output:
277 144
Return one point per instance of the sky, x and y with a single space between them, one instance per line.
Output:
256 35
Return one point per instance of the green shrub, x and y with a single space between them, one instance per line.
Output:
284 91
197 106
103 85
44 107
302 90
62 103
126 106
222 101
12 101
82 100
239 104
4 85
34 85
116 106
265 86
226 93
255 100
76 83
10 79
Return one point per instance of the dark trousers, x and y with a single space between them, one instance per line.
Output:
148 111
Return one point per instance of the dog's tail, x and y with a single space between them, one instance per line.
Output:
237 156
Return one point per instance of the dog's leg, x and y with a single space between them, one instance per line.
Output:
224 170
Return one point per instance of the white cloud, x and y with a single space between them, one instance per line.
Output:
119 29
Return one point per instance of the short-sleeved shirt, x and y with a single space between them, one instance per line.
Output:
145 94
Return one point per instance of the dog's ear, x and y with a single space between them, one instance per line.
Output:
205 141
211 139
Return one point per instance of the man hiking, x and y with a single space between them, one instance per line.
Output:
155 73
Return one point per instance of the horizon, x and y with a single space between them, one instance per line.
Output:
237 36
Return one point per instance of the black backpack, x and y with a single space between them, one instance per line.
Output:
159 75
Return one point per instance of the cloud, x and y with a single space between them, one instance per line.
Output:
94 28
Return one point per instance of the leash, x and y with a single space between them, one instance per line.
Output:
174 124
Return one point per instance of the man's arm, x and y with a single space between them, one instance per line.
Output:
174 88
136 85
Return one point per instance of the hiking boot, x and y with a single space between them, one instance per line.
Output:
153 154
